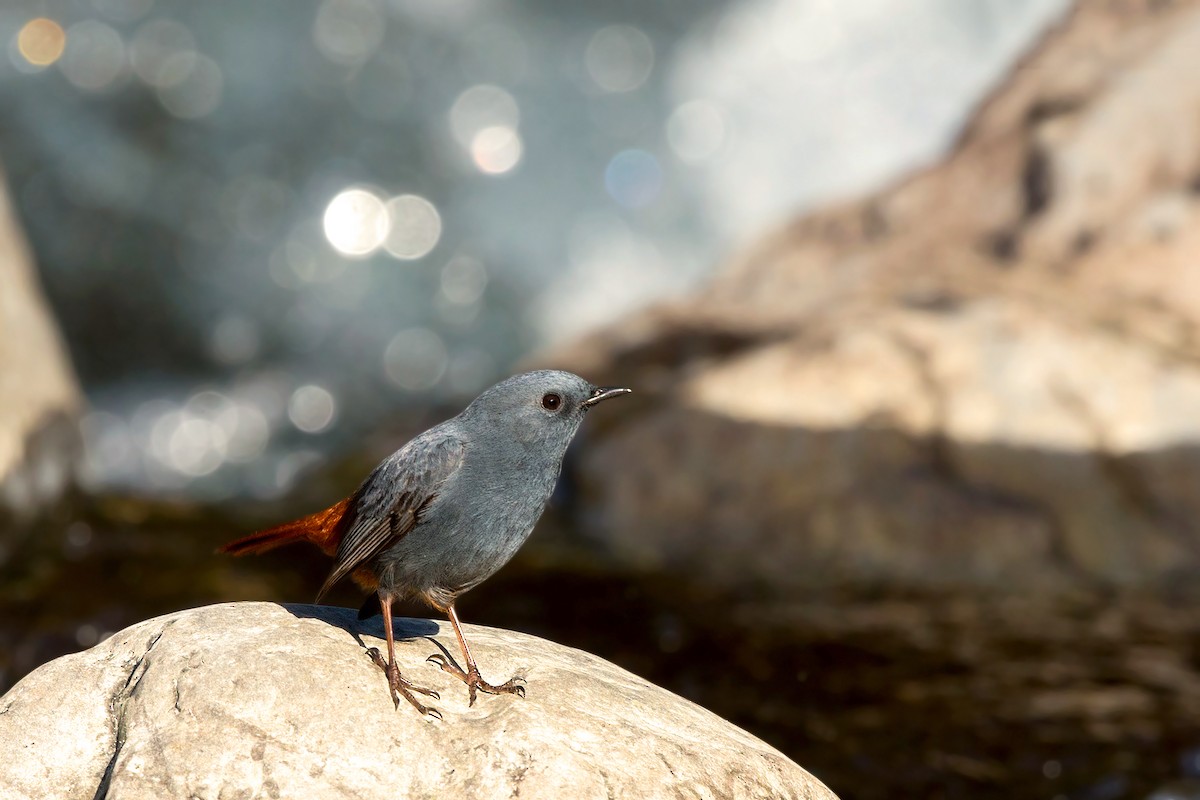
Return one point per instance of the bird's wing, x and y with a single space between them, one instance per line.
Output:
392 499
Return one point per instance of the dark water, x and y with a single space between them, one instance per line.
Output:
1091 697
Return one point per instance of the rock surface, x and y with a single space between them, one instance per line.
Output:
261 700
39 396
988 374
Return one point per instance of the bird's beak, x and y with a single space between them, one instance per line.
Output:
604 393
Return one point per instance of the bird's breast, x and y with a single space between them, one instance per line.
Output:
476 525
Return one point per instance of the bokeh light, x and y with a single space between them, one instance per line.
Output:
356 222
415 227
464 280
460 297
190 85
312 408
173 443
415 359
41 42
154 44
496 149
619 58
480 107
194 446
347 32
94 57
633 178
485 120
235 340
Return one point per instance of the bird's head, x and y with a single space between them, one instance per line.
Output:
545 404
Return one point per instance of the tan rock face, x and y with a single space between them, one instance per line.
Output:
988 374
39 397
261 700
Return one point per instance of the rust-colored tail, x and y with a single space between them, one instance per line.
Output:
324 529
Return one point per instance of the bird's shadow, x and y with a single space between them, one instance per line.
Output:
347 620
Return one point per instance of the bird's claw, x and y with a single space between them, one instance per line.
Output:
475 682
514 685
423 710
434 713
401 686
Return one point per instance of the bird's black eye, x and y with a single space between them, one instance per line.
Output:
551 401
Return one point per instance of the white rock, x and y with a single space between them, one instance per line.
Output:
260 700
39 397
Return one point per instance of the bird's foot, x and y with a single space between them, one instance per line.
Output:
402 687
475 681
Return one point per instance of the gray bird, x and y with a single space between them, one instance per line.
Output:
445 511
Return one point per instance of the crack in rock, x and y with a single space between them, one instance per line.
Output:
117 705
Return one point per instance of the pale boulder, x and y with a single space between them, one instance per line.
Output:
262 700
39 396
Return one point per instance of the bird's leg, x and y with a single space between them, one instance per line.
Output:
471 677
397 682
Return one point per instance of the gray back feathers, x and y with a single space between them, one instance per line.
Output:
450 507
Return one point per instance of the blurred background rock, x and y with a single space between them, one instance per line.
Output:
39 397
988 373
265 227
906 292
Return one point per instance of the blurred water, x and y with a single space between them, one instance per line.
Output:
267 225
